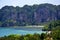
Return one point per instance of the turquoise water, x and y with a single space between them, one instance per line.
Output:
21 31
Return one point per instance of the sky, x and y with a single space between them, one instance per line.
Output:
21 3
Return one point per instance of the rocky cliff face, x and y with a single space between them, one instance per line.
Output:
28 15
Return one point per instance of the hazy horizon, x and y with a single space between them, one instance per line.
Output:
21 3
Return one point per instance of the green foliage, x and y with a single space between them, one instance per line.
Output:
23 37
51 25
56 33
54 26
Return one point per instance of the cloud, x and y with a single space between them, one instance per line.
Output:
28 2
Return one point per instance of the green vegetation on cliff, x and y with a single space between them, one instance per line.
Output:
28 15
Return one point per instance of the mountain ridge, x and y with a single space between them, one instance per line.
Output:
28 15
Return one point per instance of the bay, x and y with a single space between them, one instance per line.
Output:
5 31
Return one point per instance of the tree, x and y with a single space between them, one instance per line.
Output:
56 33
